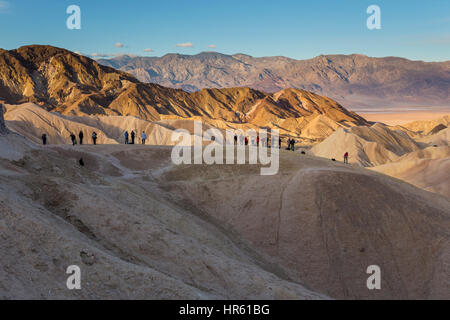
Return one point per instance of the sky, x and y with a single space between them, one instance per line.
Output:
417 30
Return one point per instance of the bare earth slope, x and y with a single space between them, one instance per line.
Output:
417 152
442 138
32 121
428 169
128 241
12 146
326 223
141 227
427 126
367 146
355 80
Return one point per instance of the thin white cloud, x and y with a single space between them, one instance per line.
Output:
212 46
97 55
185 45
4 6
101 55
119 45
148 50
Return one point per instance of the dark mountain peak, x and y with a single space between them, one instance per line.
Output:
242 55
211 54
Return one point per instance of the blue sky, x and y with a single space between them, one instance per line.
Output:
418 30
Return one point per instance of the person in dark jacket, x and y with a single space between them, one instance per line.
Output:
293 145
73 138
132 137
126 137
44 139
94 137
81 136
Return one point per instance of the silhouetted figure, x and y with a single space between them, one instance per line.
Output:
235 139
73 138
44 139
81 162
288 144
292 145
246 141
346 158
126 137
94 137
144 137
81 136
132 137
279 143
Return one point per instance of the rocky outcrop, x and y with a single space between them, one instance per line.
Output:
3 129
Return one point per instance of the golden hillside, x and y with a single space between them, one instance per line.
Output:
63 81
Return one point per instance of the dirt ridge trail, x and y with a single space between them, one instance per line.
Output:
175 254
211 229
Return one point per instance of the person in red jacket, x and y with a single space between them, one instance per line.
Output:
346 158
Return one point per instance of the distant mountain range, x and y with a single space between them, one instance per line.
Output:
354 80
62 81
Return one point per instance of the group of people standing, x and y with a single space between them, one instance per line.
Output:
255 141
132 135
73 138
238 140
94 137
291 144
